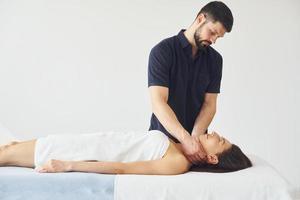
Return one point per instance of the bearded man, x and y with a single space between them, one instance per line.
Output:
184 78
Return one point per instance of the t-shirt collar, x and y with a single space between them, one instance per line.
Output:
184 41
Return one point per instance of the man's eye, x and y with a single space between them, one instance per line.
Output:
212 32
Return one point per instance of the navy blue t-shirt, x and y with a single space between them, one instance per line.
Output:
188 78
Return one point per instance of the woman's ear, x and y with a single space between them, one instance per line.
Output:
212 159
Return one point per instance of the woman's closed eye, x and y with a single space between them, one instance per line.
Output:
222 140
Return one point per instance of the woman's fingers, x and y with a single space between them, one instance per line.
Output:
45 169
54 166
48 167
40 169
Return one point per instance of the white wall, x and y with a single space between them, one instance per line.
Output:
81 66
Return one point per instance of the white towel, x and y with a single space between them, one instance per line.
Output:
102 146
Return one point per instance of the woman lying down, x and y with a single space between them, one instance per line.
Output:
120 153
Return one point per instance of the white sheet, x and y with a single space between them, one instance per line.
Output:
260 182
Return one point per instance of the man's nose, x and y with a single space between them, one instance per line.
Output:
213 39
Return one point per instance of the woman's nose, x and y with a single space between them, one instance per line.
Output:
215 133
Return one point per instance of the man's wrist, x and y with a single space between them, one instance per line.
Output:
198 131
184 135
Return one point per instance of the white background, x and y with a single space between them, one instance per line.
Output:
81 66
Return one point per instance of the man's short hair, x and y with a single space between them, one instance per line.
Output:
217 11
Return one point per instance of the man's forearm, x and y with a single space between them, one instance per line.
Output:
168 119
203 119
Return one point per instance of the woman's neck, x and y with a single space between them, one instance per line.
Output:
178 146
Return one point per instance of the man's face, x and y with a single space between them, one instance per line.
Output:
208 33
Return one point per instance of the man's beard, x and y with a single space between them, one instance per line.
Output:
201 44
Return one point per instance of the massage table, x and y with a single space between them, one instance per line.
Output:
260 182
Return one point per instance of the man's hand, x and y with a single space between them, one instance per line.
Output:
53 166
193 149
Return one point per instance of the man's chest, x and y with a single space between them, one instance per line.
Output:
187 72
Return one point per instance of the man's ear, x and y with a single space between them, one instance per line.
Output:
212 159
200 19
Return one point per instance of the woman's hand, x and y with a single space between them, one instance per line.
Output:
54 166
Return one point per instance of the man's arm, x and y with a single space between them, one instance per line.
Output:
191 146
165 114
206 114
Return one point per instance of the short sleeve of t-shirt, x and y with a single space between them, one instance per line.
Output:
215 76
160 60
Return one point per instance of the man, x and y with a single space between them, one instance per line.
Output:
184 77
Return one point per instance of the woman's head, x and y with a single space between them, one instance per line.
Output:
222 156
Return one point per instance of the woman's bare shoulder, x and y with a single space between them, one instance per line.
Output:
174 149
174 154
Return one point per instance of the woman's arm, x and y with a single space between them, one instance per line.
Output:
165 166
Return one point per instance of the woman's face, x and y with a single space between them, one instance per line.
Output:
214 144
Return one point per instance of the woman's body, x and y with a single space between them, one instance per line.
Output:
172 162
